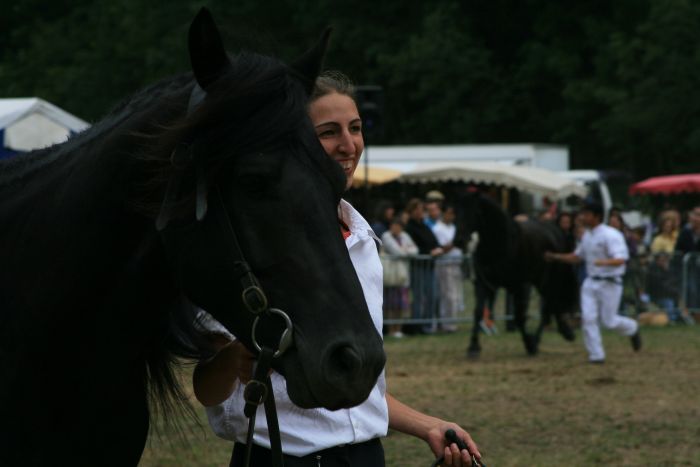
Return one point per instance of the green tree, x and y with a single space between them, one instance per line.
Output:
653 123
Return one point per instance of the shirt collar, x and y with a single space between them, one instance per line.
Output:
355 222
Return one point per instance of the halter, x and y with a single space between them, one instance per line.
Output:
259 389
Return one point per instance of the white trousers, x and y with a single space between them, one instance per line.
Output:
600 301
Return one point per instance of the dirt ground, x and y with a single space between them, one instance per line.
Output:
551 410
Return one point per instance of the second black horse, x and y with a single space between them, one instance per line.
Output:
510 255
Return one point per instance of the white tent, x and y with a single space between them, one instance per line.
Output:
529 179
32 123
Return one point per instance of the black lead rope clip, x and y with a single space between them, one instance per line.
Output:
452 437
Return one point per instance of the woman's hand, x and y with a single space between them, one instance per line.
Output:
215 380
437 251
432 430
240 359
441 447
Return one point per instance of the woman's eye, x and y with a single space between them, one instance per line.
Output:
326 133
356 129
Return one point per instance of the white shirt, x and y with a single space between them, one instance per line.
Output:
393 247
445 234
304 431
602 242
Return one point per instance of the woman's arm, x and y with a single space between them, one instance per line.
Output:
612 262
409 245
431 430
391 246
215 380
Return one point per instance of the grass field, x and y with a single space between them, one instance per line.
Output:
551 410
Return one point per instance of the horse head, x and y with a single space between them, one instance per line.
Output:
468 213
254 187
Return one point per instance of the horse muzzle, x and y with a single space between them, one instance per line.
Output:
342 377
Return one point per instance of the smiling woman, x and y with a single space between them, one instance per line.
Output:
331 438
337 121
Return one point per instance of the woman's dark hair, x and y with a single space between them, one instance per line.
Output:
618 216
568 214
396 220
412 204
332 81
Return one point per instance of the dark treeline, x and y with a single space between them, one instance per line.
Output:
615 81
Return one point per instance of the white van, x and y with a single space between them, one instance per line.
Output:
596 185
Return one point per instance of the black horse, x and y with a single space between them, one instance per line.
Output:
510 255
93 298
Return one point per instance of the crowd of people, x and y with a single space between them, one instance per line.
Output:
424 263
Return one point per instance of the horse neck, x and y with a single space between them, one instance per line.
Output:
73 205
496 231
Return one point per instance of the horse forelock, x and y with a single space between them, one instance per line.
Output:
256 105
258 102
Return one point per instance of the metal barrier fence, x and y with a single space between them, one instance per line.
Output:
667 281
690 290
437 292
425 291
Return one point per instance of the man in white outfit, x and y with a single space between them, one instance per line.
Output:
604 251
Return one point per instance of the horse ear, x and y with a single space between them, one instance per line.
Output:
207 53
309 64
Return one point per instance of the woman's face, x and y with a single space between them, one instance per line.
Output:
667 226
339 129
417 212
448 217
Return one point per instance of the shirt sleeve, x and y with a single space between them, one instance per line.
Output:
579 248
617 247
208 324
391 247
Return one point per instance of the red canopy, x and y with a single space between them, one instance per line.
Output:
667 185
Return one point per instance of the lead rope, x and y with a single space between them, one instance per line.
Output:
451 437
258 391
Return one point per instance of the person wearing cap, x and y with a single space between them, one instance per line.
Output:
604 252
434 195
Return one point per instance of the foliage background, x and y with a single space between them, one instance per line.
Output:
614 81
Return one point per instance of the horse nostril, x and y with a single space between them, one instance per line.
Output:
346 360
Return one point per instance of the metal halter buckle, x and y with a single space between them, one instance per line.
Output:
286 337
255 392
254 300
